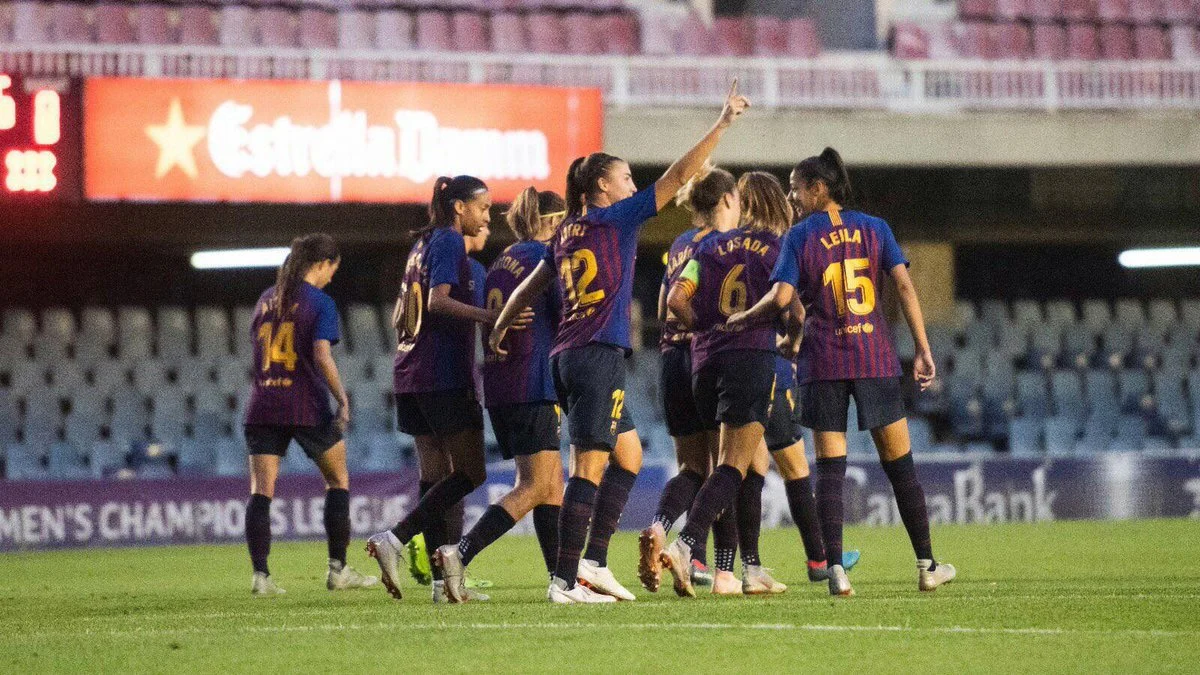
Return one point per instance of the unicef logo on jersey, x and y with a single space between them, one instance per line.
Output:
856 329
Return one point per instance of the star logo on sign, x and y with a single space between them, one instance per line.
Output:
175 141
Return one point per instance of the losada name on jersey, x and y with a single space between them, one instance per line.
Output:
744 243
840 237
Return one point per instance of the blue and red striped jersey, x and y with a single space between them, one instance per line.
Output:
288 388
735 272
594 256
682 250
838 261
523 375
434 353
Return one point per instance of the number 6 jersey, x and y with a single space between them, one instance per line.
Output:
593 256
289 389
838 260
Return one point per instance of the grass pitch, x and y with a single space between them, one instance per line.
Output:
1094 597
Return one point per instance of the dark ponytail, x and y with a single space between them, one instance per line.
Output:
448 190
705 191
829 168
583 179
306 252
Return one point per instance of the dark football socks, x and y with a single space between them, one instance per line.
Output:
258 531
910 499
831 473
494 523
716 495
610 502
337 523
454 522
545 524
578 501
725 539
749 516
429 514
803 505
677 497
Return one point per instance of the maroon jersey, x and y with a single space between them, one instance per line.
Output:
682 250
838 262
289 389
523 374
734 273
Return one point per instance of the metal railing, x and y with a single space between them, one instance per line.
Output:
846 81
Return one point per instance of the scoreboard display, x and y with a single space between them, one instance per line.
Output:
39 139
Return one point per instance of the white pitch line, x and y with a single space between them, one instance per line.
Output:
557 626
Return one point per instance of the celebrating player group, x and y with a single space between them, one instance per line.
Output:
759 316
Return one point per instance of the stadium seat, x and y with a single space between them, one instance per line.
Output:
97 332
150 375
243 346
1012 340
994 312
1162 314
394 30
1025 436
134 332
368 409
1133 388
20 325
584 32
9 415
1116 344
964 313
174 333
1060 313
1131 432
69 23
1033 399
26 376
238 26
1151 43
621 34
56 335
965 408
198 25
129 416
67 462
696 39
1011 10
1112 10
905 344
1049 41
1171 404
106 458
1079 345
1156 444
23 461
364 331
1180 11
66 377
169 417
1100 385
1027 313
732 36
1045 345
278 27
1079 10
1145 11
1043 10
1116 42
31 22
155 24
509 33
803 40
769 35
1096 315
977 9
212 333
968 364
433 31
108 376
356 28
1083 42
920 434
114 24
375 452
1066 388
319 29
980 336
470 32
231 457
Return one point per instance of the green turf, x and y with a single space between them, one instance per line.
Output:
1050 597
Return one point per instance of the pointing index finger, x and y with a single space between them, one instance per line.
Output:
733 89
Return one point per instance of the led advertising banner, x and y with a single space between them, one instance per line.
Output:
307 142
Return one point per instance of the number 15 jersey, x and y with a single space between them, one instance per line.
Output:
594 256
838 261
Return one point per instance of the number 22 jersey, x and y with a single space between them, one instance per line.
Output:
838 262
594 256
289 389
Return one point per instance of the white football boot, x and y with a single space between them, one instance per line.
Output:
601 580
725 583
385 549
929 580
580 595
757 580
344 577
677 558
839 583
449 560
650 546
263 586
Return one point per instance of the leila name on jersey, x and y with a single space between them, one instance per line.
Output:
841 236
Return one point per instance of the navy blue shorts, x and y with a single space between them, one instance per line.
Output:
781 429
590 382
825 404
675 388
438 413
273 439
734 388
525 428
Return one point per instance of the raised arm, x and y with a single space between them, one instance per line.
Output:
691 162
516 309
770 306
323 354
924 369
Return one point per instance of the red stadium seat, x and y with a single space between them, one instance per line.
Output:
69 23
732 36
197 25
1145 11
31 21
658 36
278 27
546 33
1008 10
1112 10
238 26
1116 42
508 33
1083 42
356 29
802 38
1079 10
153 25
944 39
585 32
470 32
977 9
1179 11
1049 41
620 31
1150 42
909 41
1012 40
433 31
696 39
770 36
318 29
1044 10
394 30
977 40
114 24
1184 43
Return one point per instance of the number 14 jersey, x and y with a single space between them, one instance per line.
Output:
838 261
